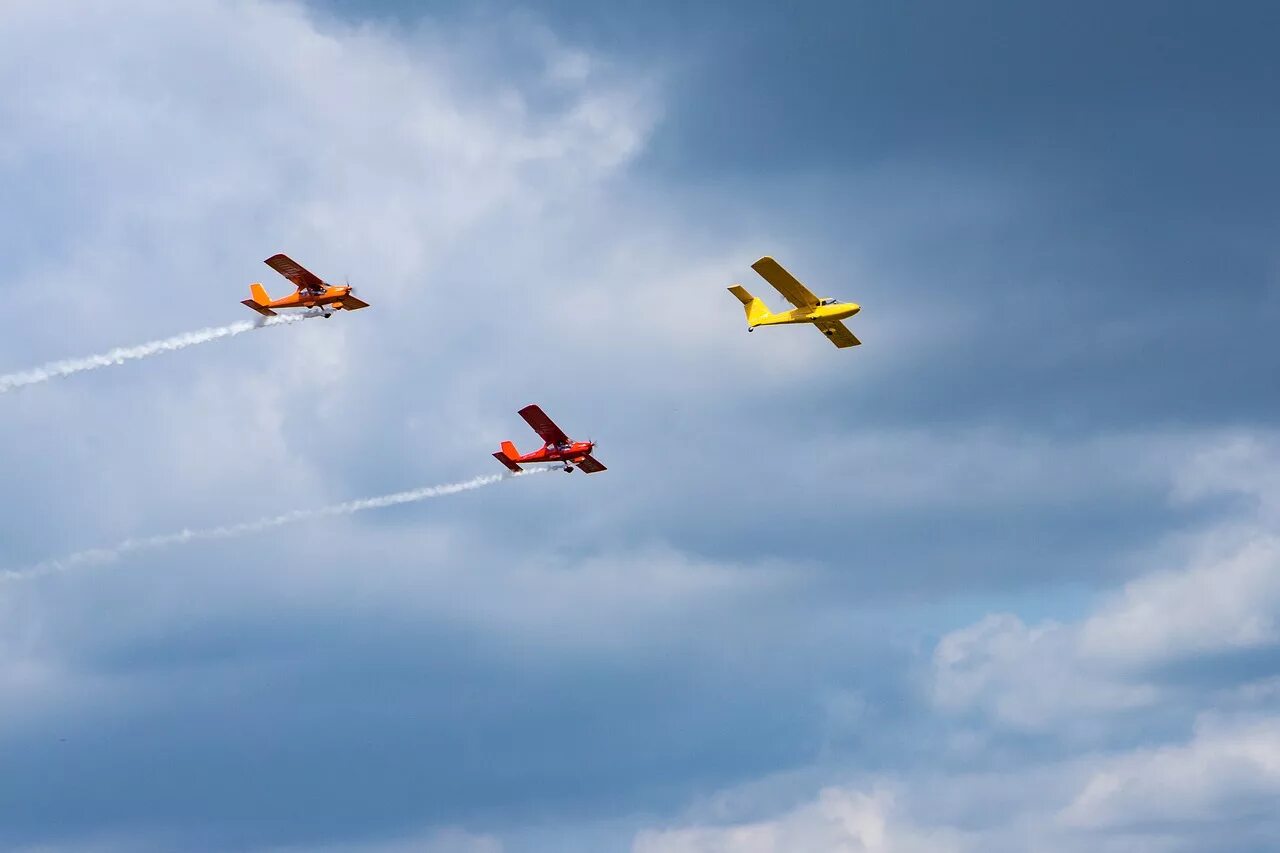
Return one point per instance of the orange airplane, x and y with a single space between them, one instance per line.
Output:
312 292
558 448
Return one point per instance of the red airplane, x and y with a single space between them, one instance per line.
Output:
558 448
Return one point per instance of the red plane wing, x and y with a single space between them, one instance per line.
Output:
543 425
301 278
590 465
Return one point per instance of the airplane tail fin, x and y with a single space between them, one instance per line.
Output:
260 300
508 456
755 307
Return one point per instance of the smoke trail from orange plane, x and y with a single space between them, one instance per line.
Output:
97 556
119 355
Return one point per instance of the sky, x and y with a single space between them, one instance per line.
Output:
1004 578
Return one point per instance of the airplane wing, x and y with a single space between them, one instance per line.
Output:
350 303
301 278
543 425
590 465
785 283
838 333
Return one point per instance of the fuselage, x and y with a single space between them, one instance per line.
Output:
303 299
572 451
814 314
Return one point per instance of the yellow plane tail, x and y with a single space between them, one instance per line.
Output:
754 306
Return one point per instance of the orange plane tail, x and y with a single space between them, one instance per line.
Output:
260 300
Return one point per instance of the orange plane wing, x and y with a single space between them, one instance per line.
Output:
302 278
350 303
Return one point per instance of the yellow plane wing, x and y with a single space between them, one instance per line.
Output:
785 283
838 333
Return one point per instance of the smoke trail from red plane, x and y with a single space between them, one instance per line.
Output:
97 556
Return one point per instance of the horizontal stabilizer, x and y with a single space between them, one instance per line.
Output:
756 310
505 461
261 309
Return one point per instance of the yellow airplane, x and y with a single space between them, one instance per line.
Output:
826 314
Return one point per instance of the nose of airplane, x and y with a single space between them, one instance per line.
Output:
854 308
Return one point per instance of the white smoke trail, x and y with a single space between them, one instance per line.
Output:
97 556
120 355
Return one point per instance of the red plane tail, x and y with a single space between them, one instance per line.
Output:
508 456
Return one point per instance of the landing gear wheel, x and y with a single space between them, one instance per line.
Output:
327 316
568 469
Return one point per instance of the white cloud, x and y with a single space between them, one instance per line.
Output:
166 151
1225 598
1027 677
1083 682
1242 463
839 821
265 124
1217 604
1230 769
1220 784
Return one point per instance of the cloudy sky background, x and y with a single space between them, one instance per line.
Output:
1004 578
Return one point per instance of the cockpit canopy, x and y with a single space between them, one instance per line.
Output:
828 301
